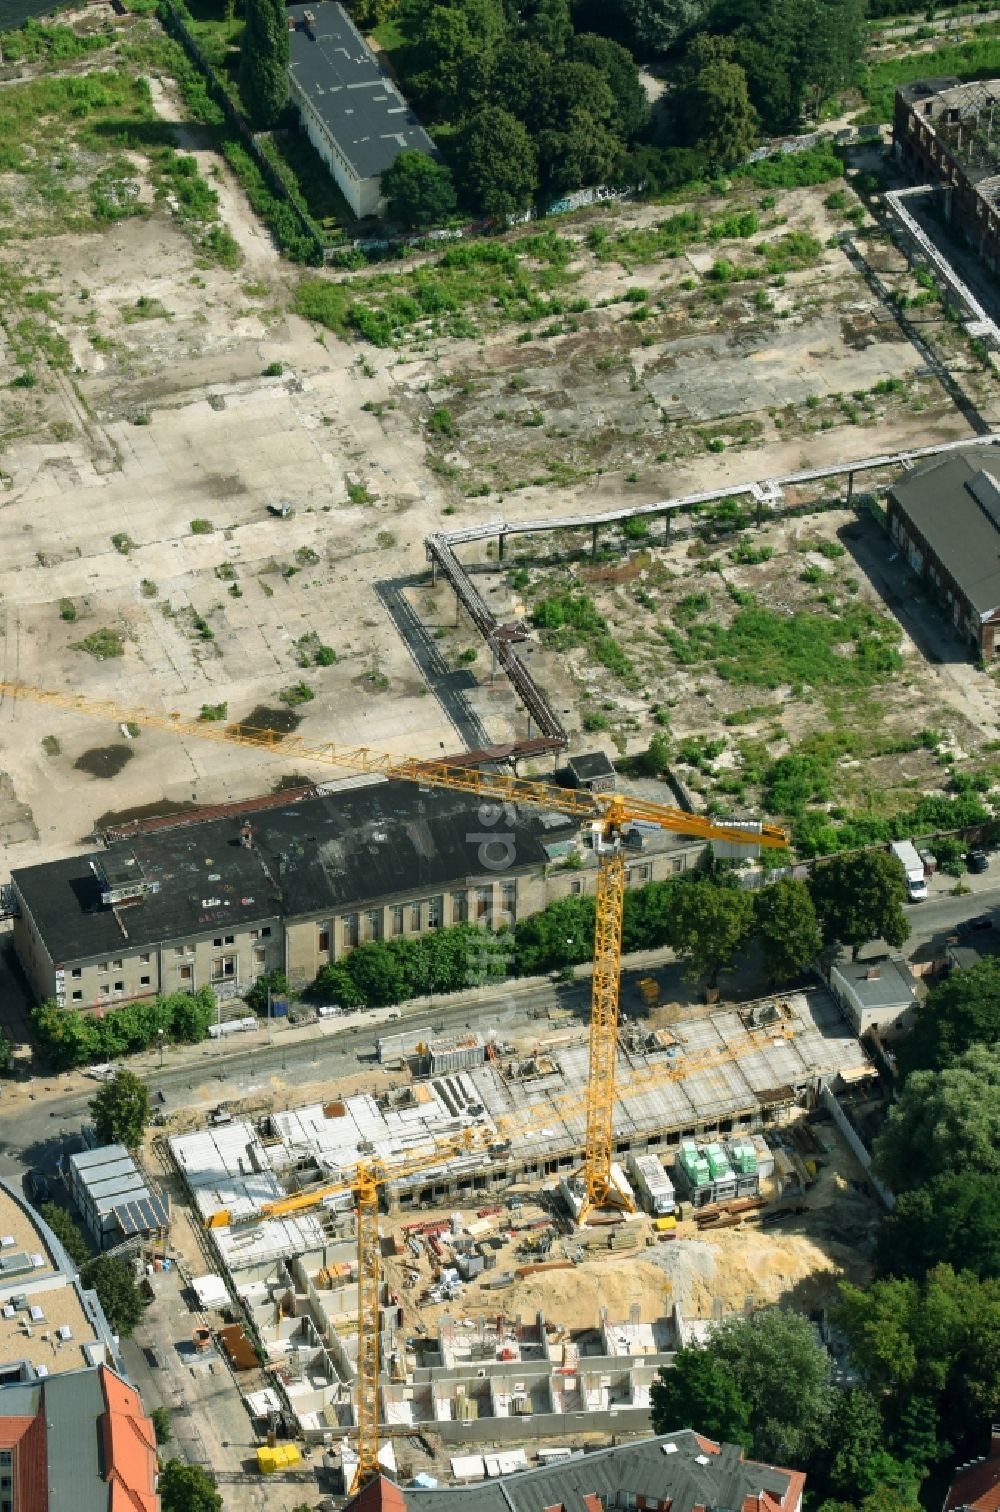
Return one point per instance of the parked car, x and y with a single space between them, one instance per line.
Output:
976 925
37 1188
977 860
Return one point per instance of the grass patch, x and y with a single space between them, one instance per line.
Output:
101 644
211 713
50 745
978 58
818 649
201 527
145 308
499 282
297 693
795 170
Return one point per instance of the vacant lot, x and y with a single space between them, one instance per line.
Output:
166 377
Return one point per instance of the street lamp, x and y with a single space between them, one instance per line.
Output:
159 1035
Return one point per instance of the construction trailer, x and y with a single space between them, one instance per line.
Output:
653 1186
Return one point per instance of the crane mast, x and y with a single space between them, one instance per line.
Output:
609 816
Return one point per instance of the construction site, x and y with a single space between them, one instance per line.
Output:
500 1316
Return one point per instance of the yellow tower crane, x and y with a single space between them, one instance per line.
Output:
363 1185
611 816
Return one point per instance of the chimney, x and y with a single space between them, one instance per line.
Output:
246 835
872 974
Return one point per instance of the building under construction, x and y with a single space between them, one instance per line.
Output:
721 1076
947 134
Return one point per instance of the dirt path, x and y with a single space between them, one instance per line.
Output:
239 220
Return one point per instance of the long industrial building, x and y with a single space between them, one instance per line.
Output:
185 902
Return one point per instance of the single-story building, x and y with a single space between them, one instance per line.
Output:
113 1199
352 112
945 517
593 770
879 994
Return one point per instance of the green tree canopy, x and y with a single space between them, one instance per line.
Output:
163 1425
954 1220
787 928
264 54
723 123
944 1122
699 1389
860 898
498 163
6 1051
782 1372
581 152
655 26
121 1110
449 60
855 1434
66 1231
962 1010
520 81
617 67
116 1290
419 190
709 926
548 22
938 1339
187 1488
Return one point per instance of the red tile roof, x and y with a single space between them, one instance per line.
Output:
977 1487
129 1448
380 1495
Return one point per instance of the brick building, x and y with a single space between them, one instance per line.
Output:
947 133
945 518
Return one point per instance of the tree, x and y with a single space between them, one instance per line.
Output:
191 1013
548 23
617 67
116 1290
954 1220
163 1425
944 1122
936 1339
656 757
272 984
710 923
962 1010
498 170
449 62
419 190
656 25
585 151
561 935
520 81
6 1051
724 124
699 1389
783 1373
860 898
856 1433
66 1231
187 1488
121 1110
264 54
786 924
832 49
66 1037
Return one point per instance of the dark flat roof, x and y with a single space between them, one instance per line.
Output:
74 1404
334 852
941 500
685 1475
590 765
363 110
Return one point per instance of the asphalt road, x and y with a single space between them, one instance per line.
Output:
37 1125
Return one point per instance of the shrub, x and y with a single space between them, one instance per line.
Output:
67 610
273 370
201 527
101 644
122 542
213 712
296 693
441 422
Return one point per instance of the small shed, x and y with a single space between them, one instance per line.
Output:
113 1198
592 771
876 994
